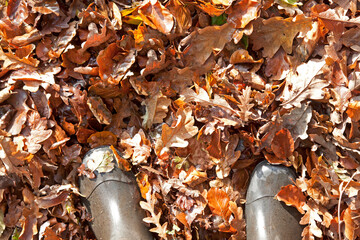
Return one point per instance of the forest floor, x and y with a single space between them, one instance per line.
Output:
194 94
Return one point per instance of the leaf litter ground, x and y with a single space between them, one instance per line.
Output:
193 94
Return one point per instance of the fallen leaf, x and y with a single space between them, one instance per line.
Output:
122 163
291 195
223 166
218 202
101 162
273 159
111 70
238 223
99 109
276 32
149 205
117 21
154 14
177 134
34 79
243 12
195 178
22 58
47 7
210 9
297 121
83 134
203 42
203 99
303 84
50 235
349 224
181 13
52 200
198 155
138 147
214 148
278 66
283 144
242 56
351 39
311 217
156 110
17 11
245 104
142 180
102 138
95 38
353 110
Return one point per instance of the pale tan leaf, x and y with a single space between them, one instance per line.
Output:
138 147
303 84
156 109
176 135
297 121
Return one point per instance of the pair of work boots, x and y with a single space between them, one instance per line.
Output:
112 198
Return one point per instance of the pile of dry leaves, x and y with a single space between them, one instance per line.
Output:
194 93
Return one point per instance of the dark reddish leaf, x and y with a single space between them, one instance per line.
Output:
52 200
283 144
291 195
17 11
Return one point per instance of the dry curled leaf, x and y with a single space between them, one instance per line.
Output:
353 111
122 163
181 13
238 223
243 12
99 109
154 14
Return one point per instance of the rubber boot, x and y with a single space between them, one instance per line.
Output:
267 218
112 198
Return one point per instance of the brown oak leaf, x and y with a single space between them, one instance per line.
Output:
276 32
177 134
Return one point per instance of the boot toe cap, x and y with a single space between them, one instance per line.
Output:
112 199
267 218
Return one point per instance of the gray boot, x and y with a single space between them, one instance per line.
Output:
112 198
267 218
